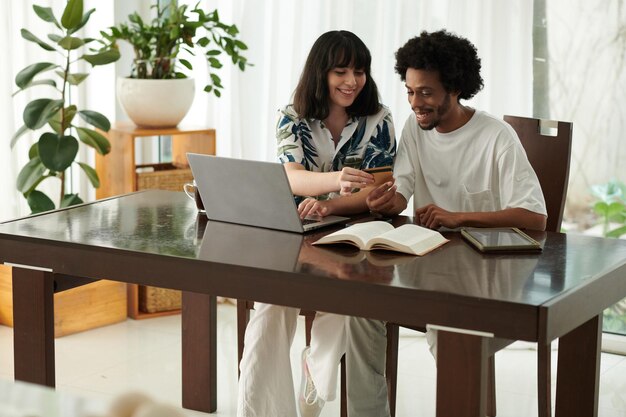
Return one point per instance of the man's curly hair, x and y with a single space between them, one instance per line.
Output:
455 59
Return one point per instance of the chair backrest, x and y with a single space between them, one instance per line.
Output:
549 156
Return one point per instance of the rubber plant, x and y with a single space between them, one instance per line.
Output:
57 147
157 44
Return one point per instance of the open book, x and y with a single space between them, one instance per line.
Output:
408 238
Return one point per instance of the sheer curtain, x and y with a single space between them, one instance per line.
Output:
279 34
95 93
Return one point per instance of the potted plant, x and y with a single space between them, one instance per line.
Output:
148 100
610 207
56 149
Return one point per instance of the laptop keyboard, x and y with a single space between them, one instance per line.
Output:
309 221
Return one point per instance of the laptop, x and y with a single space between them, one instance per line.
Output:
252 193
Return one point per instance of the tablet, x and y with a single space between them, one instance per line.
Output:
500 239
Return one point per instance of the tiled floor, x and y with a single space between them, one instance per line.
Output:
145 355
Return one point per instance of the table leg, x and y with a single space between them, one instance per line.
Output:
578 371
199 352
461 375
33 326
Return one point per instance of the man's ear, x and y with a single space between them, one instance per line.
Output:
455 95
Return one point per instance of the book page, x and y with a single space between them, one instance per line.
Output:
409 238
358 234
409 234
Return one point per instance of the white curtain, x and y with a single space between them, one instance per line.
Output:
279 34
95 93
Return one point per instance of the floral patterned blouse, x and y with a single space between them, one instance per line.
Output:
366 142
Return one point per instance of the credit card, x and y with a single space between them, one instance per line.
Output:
379 169
381 174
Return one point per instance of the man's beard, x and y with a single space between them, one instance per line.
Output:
439 111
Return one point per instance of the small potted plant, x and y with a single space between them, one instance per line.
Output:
145 96
57 147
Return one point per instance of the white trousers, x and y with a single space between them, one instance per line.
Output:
266 386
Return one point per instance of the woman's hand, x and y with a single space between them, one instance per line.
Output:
311 207
350 178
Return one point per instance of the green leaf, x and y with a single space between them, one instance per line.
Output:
25 76
18 134
38 112
216 80
96 119
51 83
240 45
70 43
601 208
54 37
91 173
213 52
55 124
75 79
26 34
215 63
203 41
70 200
39 202
46 14
617 232
615 209
72 15
186 63
68 116
30 174
33 151
102 58
57 152
208 88
82 23
94 139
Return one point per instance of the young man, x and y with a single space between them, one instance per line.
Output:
462 166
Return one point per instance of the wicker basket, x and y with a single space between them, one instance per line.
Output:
154 300
160 177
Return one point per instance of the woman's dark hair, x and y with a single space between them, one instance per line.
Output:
334 49
453 57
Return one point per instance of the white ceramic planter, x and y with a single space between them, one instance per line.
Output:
155 103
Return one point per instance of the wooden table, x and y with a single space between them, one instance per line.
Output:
156 238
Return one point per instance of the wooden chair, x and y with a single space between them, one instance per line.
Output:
549 156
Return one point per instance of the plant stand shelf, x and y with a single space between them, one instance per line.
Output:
118 172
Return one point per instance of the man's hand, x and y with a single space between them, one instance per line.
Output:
382 198
350 178
434 217
311 207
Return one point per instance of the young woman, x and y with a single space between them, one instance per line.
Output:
335 128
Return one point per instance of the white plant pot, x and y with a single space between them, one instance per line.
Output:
155 103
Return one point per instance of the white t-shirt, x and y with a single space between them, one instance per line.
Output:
479 167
